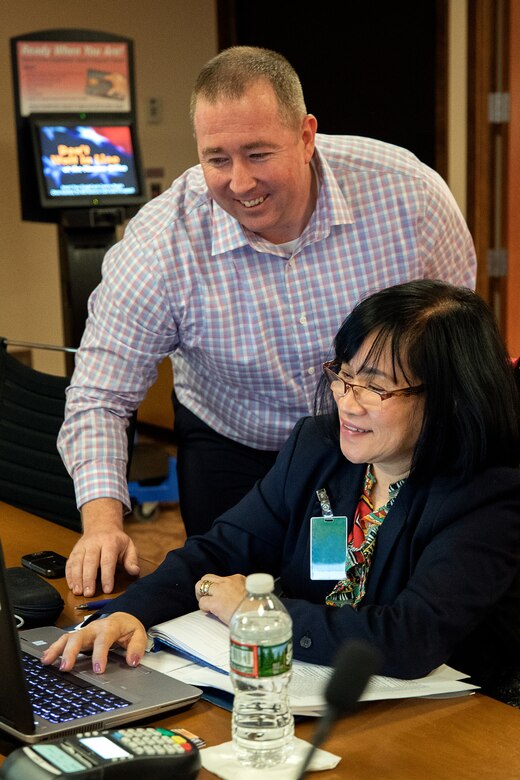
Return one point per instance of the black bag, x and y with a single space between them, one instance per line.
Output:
33 599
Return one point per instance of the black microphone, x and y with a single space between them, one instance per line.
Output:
356 662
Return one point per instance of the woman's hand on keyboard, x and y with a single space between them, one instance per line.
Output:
98 637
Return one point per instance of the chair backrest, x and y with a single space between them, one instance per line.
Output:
32 475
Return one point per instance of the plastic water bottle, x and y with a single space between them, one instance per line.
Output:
261 661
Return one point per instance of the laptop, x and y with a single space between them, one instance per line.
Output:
84 701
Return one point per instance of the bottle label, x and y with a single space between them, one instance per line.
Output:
260 660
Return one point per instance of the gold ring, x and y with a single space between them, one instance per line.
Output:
205 585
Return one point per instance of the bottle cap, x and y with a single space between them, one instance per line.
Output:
260 583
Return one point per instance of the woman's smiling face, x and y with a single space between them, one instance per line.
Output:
384 437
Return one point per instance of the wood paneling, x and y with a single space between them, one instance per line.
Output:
513 186
488 53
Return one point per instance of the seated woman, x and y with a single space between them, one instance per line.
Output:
416 442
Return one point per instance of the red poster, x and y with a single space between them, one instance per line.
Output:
70 77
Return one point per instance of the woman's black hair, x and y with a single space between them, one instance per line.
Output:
447 339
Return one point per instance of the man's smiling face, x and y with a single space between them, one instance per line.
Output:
256 166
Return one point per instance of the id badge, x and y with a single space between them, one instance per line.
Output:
328 547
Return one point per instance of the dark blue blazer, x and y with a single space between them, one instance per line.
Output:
444 583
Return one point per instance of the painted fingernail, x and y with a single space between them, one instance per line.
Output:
97 667
62 664
134 660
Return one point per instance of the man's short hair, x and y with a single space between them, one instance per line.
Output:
231 73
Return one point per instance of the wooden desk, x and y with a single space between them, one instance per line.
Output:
470 737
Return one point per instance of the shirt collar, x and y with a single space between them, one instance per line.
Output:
332 207
393 488
227 232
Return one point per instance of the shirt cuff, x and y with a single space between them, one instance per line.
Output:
99 480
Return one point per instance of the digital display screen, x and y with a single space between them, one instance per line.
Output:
87 160
84 161
58 758
104 748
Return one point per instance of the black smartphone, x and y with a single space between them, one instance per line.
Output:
46 562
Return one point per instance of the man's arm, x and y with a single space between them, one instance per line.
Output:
129 330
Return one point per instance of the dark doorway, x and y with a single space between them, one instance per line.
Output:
370 68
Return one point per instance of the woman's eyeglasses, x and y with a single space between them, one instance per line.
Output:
366 396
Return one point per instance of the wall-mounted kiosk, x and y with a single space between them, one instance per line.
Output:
78 150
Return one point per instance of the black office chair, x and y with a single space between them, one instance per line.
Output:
32 475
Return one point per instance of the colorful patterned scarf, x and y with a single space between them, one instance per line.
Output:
361 544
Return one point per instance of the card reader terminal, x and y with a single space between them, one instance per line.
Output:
120 754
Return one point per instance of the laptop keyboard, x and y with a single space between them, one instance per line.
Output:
59 697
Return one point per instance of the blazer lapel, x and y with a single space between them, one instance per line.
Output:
390 532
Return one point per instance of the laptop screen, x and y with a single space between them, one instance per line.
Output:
15 707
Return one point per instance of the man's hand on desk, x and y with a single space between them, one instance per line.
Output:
103 545
99 636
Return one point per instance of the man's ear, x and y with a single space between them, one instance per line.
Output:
309 128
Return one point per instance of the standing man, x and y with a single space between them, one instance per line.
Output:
243 271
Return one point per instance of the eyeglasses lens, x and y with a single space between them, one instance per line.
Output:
369 399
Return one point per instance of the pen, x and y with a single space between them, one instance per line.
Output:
91 605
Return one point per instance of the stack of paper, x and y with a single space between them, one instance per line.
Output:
198 653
